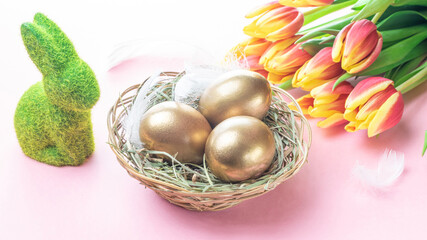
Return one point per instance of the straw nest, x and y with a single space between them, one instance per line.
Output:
192 186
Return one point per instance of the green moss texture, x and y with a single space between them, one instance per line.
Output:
53 119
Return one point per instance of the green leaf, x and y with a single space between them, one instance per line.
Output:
341 1
319 12
425 144
319 26
407 67
342 79
397 54
408 76
360 4
410 2
338 25
328 40
286 85
413 81
313 46
402 19
372 7
402 33
331 31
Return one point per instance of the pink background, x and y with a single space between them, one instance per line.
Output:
100 201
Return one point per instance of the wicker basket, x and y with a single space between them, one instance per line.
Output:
200 201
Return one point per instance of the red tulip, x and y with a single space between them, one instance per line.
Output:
374 104
274 22
323 102
249 52
317 71
282 59
357 46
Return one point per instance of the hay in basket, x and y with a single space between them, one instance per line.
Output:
192 186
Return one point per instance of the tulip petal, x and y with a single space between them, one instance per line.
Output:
350 115
365 90
291 58
274 20
304 102
277 47
370 59
253 64
256 47
387 116
327 89
375 102
277 78
338 47
326 110
317 71
263 8
350 127
364 124
288 30
263 72
360 41
332 121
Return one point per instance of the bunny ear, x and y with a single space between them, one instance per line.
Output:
56 33
46 44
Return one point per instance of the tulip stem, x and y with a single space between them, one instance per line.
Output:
414 81
286 85
316 13
377 16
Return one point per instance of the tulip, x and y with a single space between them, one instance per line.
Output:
282 63
304 102
274 22
317 71
326 102
374 104
357 46
252 62
250 47
305 3
249 52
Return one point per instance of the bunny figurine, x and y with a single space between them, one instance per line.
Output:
53 118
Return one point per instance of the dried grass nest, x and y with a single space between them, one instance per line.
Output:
192 186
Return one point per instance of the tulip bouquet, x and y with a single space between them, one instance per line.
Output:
382 42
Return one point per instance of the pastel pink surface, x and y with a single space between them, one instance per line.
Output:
99 200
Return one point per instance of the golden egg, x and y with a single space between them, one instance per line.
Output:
236 93
240 148
175 128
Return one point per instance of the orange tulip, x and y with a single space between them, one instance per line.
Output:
374 104
249 52
305 3
274 22
317 71
283 58
357 46
323 102
250 47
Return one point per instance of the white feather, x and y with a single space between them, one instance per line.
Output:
390 167
139 107
198 77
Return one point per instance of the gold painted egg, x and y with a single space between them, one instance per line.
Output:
240 148
236 93
175 128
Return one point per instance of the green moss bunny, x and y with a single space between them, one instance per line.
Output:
53 119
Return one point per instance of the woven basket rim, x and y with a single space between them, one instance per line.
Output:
113 120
